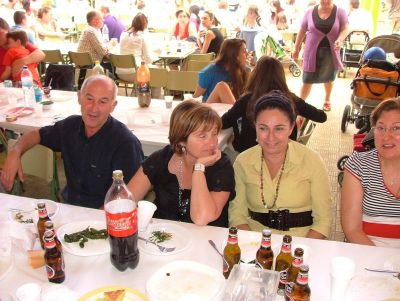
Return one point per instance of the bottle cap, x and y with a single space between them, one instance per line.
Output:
118 175
266 232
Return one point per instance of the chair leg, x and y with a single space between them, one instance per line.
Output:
126 90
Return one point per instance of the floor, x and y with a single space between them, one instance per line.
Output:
327 139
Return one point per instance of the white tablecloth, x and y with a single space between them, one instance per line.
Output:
147 125
84 274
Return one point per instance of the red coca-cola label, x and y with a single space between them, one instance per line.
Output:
122 224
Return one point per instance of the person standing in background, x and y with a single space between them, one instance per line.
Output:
114 25
326 26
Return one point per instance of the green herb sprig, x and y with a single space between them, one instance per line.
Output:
160 236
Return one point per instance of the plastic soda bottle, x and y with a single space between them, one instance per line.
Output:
98 69
143 79
122 227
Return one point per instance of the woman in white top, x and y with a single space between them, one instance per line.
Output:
46 27
134 42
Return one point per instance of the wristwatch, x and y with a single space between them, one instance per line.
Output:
199 167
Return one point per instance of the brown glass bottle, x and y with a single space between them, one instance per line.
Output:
54 259
265 255
283 262
300 290
296 263
49 226
43 218
231 251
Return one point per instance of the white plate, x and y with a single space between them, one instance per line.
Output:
180 238
393 263
185 281
59 96
92 247
51 206
5 266
98 294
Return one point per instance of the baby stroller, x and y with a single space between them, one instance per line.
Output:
352 49
266 44
375 81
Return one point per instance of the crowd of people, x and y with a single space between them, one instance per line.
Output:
275 182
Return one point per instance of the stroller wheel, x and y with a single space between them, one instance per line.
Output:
296 72
341 162
345 118
340 178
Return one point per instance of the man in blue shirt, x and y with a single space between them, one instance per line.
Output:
93 145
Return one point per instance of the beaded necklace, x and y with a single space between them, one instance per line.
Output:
277 184
182 203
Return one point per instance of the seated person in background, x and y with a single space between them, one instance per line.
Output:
229 68
92 145
133 41
21 21
210 38
114 25
46 27
183 29
280 184
193 181
35 55
370 207
267 75
16 41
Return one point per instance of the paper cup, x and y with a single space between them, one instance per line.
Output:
187 96
146 210
28 292
342 271
168 101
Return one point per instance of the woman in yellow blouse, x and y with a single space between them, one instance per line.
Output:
280 184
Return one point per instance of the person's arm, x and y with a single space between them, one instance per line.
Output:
209 36
351 210
221 94
238 209
344 29
6 73
230 118
139 185
308 111
35 57
299 41
198 92
321 200
12 165
206 206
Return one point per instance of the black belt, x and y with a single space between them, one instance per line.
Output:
282 219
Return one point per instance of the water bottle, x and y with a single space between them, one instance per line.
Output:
104 31
27 86
98 69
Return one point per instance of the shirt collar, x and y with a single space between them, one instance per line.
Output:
104 128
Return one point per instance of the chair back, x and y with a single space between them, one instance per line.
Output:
80 59
52 56
123 61
306 131
185 81
206 57
196 65
158 77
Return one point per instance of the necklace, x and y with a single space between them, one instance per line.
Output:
182 203
277 184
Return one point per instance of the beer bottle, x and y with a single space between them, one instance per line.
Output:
54 259
296 263
231 250
43 218
49 226
265 255
299 291
283 262
122 227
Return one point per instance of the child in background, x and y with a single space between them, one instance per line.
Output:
16 41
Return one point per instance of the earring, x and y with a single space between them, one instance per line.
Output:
183 148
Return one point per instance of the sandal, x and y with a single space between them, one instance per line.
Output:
326 107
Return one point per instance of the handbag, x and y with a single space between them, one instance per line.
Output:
376 82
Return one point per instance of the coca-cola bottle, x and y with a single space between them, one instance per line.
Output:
143 80
122 228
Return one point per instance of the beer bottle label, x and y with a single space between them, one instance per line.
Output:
50 271
122 224
232 239
283 275
50 244
302 279
297 261
288 290
266 243
286 247
42 212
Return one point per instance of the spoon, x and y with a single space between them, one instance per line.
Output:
225 265
385 271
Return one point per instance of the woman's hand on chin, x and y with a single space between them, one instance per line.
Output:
210 160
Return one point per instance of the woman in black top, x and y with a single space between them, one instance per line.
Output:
193 181
268 75
209 40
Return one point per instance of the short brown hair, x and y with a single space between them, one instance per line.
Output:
139 23
188 117
42 11
391 104
179 11
90 16
18 35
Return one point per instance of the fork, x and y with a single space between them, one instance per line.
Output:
161 248
20 210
